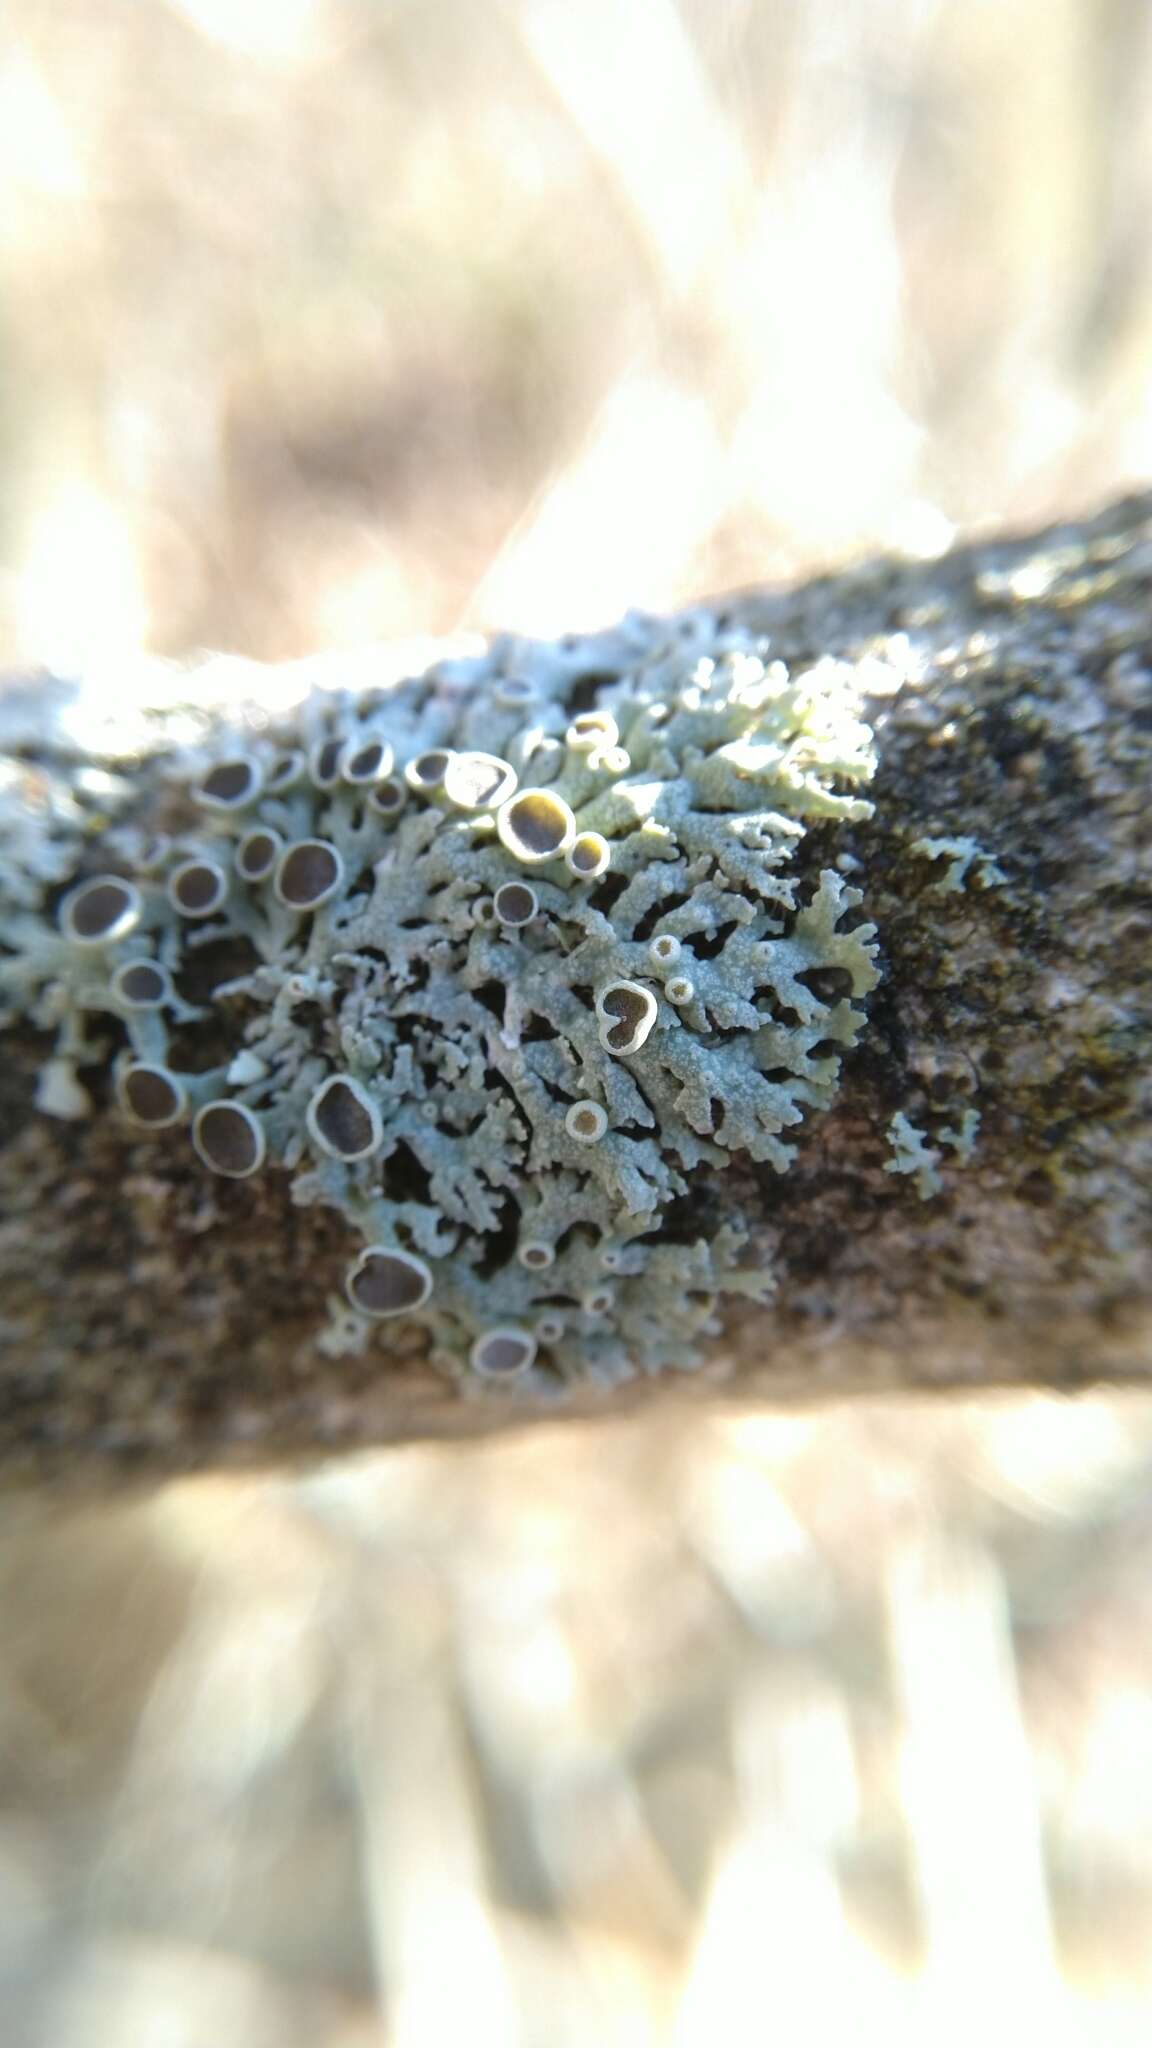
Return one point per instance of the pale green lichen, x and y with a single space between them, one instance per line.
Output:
963 856
521 957
912 1153
963 1141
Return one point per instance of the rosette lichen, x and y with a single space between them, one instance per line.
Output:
508 963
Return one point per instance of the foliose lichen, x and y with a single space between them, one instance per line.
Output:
518 958
912 1153
963 855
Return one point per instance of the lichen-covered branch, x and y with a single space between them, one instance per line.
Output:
750 1003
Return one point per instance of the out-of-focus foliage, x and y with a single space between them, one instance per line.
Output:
806 1729
323 318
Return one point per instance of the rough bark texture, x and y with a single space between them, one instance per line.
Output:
152 1322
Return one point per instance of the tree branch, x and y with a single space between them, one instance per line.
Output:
973 1211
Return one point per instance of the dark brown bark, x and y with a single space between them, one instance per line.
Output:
151 1322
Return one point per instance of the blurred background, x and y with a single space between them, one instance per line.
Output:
332 320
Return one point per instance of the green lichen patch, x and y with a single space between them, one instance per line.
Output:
964 857
523 958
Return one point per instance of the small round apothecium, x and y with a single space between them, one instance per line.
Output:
388 798
309 873
385 1281
591 732
151 1095
229 1138
366 762
230 785
478 782
426 773
664 950
626 1011
515 904
343 1120
536 825
586 1122
142 985
537 1254
598 1301
588 856
257 853
197 888
101 911
503 1353
514 693
324 761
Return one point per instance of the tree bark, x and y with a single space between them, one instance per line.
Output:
151 1322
